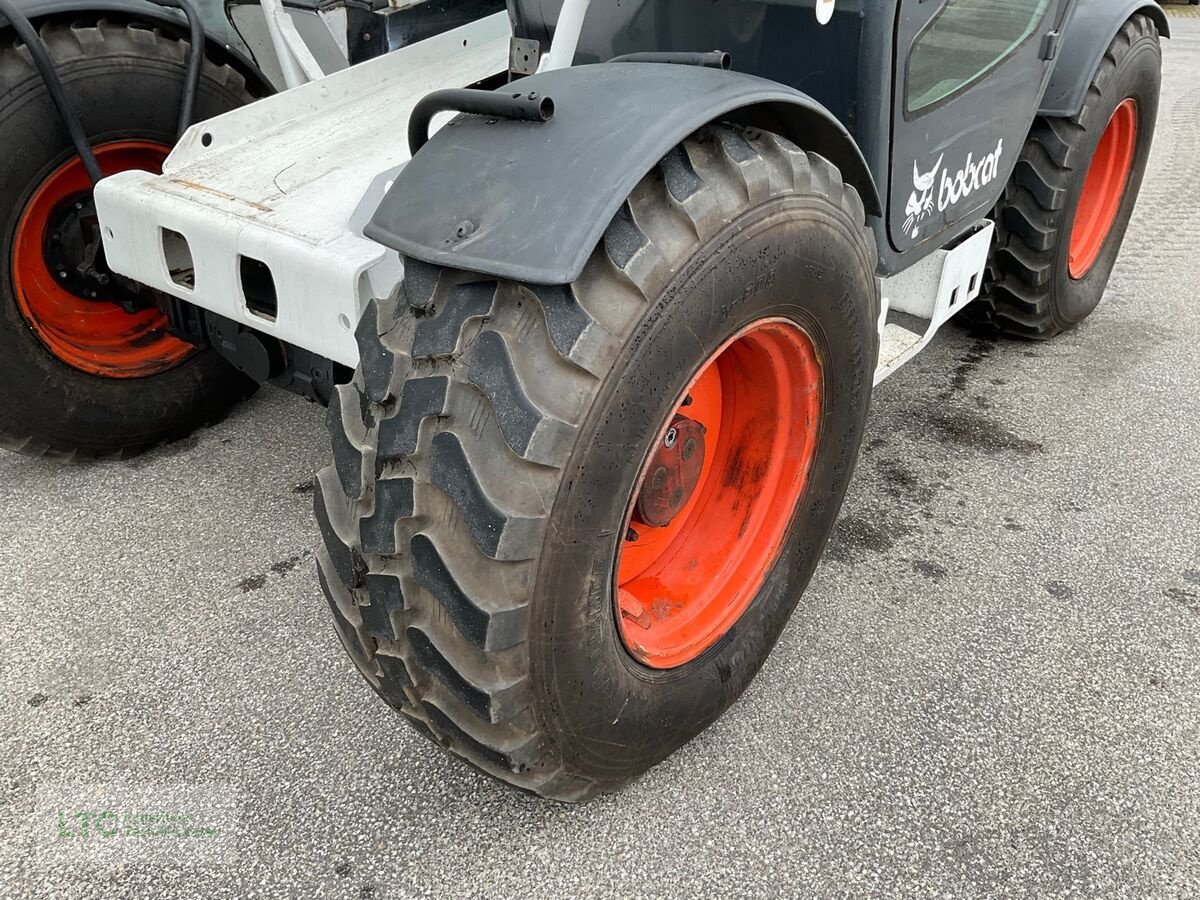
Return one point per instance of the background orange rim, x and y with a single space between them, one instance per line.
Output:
91 335
680 588
1103 189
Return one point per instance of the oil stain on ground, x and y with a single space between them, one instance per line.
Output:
855 535
930 569
286 565
903 492
898 494
901 482
258 580
968 365
252 583
968 428
1059 589
1189 600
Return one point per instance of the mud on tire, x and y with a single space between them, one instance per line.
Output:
471 514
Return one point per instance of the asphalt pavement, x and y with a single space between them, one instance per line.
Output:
991 688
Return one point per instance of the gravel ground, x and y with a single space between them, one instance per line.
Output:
990 689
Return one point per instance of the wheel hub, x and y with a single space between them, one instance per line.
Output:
72 245
60 284
674 471
714 501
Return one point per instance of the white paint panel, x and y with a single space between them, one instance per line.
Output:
291 180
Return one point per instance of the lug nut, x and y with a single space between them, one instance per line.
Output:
669 440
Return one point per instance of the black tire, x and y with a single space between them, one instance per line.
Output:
126 82
473 511
1029 291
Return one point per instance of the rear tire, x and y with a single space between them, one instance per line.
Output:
126 82
487 449
1031 290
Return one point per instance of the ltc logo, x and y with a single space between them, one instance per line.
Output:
953 188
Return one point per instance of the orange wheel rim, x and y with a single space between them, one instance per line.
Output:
85 332
1103 189
754 410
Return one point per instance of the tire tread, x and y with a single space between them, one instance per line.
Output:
1017 298
486 454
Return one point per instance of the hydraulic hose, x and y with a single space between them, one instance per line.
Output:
191 82
70 117
45 66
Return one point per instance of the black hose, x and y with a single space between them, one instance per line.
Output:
712 59
528 107
195 59
45 66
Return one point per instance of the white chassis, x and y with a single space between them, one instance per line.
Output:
291 180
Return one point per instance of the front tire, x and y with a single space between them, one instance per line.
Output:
79 376
1063 215
490 447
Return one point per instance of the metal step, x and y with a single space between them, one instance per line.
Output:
897 345
919 300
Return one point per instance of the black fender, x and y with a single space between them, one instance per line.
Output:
1089 29
530 201
222 38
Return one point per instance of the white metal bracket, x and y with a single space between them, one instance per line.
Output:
928 293
295 59
288 182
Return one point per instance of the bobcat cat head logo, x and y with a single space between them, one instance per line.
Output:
920 201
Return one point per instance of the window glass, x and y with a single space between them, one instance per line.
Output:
965 41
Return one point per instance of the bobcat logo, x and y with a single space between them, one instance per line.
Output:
920 201
953 187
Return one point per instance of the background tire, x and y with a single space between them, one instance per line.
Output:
487 448
126 81
1032 290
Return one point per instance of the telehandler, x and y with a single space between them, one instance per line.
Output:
597 295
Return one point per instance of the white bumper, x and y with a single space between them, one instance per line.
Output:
290 181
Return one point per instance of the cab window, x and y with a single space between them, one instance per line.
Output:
965 41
